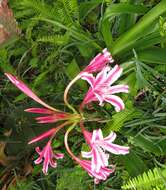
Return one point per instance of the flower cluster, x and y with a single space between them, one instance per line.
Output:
100 77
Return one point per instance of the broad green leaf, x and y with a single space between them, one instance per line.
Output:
149 145
146 42
121 8
153 55
133 163
86 7
115 10
138 29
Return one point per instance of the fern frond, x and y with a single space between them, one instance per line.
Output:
61 11
38 7
55 39
119 118
152 180
71 7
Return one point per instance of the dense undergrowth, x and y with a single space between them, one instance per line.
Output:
59 38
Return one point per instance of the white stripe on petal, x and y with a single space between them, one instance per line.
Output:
88 77
118 88
115 149
115 101
99 135
100 98
101 76
110 138
86 154
114 74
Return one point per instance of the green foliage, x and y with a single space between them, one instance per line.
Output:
120 118
58 39
150 180
55 39
132 163
67 182
22 185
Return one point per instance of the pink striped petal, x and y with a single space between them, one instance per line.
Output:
89 97
115 149
43 136
97 135
107 55
100 98
114 74
26 90
39 110
53 163
38 150
101 76
88 77
47 119
99 62
38 161
99 159
86 154
53 118
110 138
59 155
101 175
115 101
118 88
45 166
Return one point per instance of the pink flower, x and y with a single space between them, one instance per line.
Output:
99 62
48 157
26 90
43 135
101 89
100 175
52 116
99 145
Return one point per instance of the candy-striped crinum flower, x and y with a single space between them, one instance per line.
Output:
52 114
99 62
101 89
48 157
98 145
101 175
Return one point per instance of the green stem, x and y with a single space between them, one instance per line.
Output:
137 31
66 141
66 93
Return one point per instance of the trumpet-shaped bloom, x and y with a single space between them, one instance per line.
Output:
48 157
51 117
101 89
99 62
98 146
26 90
52 114
100 175
43 136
